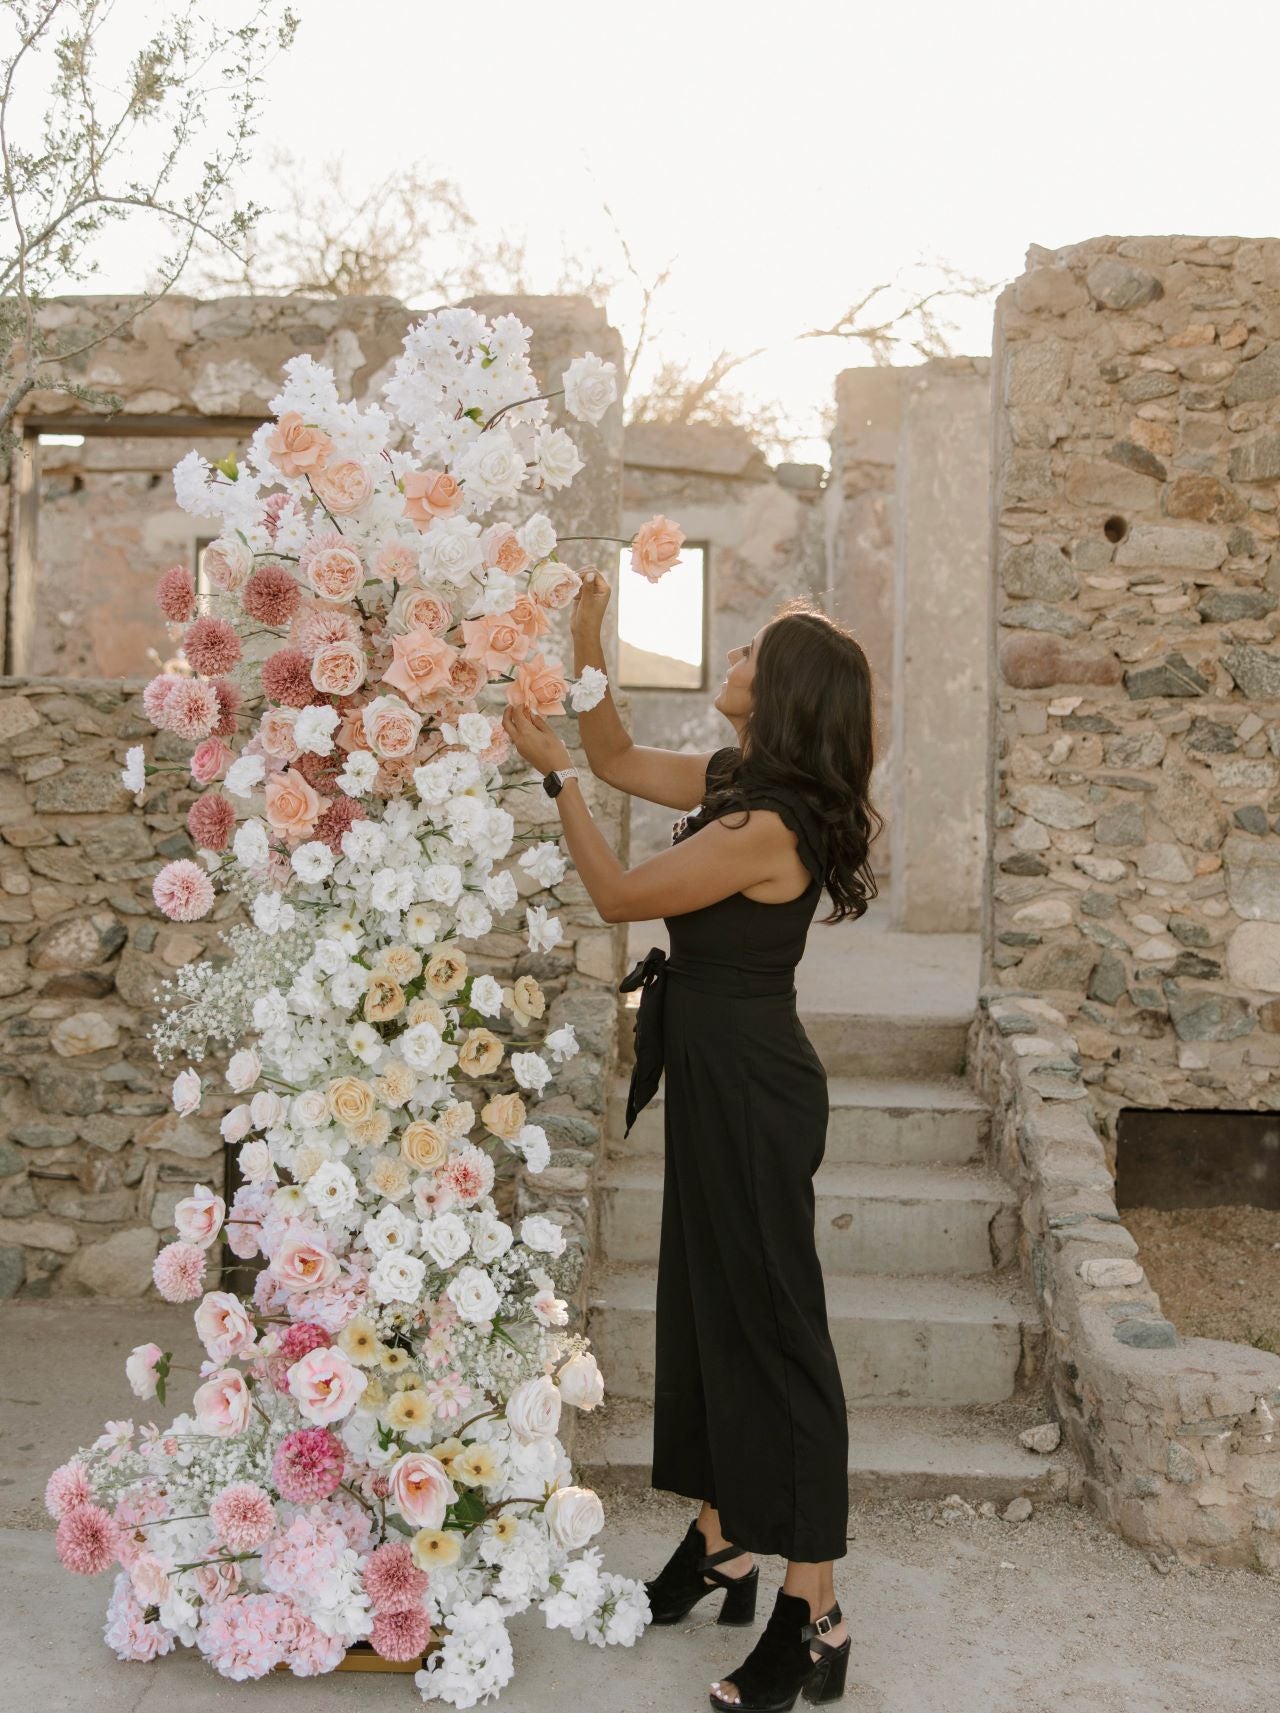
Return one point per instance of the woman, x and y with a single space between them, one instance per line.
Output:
749 1411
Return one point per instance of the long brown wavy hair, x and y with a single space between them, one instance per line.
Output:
810 731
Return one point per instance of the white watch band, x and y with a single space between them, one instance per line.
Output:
563 773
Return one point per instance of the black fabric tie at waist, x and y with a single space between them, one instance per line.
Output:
651 975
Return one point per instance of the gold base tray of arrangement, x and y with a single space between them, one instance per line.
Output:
361 1657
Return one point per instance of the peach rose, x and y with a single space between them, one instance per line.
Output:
325 1385
445 974
296 448
391 728
210 760
223 1326
504 1115
275 733
339 669
420 664
538 685
495 640
223 1404
480 1054
227 563
293 806
655 547
502 549
529 616
423 1146
343 487
300 1264
467 678
350 1100
394 562
333 573
554 586
421 1489
428 494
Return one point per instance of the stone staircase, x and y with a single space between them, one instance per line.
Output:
938 1341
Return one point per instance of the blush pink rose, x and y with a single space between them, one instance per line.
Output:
227 563
391 728
339 668
300 1264
655 548
538 685
223 1404
343 487
293 806
502 549
421 1489
417 609
331 567
296 448
199 1217
210 760
394 562
223 1326
275 733
325 1385
495 640
429 494
420 664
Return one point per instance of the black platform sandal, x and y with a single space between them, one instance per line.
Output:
681 1582
781 1666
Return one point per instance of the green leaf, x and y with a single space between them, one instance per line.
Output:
228 466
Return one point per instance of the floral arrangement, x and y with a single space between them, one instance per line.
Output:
371 1455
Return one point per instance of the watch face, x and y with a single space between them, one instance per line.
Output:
551 784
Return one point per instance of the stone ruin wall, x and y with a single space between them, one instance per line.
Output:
92 1157
1136 797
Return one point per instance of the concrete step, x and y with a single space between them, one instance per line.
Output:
893 1453
866 1045
920 1341
874 1121
869 1219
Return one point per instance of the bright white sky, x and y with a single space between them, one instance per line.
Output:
785 158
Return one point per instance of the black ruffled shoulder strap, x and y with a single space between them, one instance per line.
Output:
793 807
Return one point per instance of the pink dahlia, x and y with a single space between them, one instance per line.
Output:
156 694
210 821
271 595
315 627
286 677
190 710
392 1580
179 1272
400 1635
308 1465
66 1488
211 646
86 1539
183 891
243 1516
296 1340
176 594
229 700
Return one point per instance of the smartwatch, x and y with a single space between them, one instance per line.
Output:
552 782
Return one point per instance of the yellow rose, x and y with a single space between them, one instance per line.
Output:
445 974
480 1054
384 998
350 1100
504 1115
423 1146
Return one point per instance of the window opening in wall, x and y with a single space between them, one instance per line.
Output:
1200 1192
662 642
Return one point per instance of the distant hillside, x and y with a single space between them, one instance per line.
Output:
643 667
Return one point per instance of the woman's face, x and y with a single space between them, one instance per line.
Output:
733 698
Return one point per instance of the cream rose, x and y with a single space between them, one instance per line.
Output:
418 609
339 668
227 563
445 974
391 728
581 1382
553 585
480 1054
421 1489
275 733
533 1409
504 1115
573 1515
350 1100
423 1146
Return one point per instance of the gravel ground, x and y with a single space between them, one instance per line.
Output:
1217 1269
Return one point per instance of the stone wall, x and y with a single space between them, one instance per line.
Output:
1137 725
764 528
92 1157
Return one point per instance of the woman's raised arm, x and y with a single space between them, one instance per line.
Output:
658 775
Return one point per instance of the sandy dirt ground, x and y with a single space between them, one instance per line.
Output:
1217 1269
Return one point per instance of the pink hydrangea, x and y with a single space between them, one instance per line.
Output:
296 1340
212 646
400 1635
304 1558
127 1632
178 1271
190 710
351 1517
176 594
308 1651
86 1539
183 891
392 1580
307 1465
245 1636
243 1515
66 1488
143 1503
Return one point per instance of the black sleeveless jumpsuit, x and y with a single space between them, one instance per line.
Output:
749 1409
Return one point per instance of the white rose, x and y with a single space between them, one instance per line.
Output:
537 536
533 1409
186 1093
573 1515
310 1108
531 1071
581 1382
236 1124
245 772
590 387
312 862
491 468
545 932
474 730
390 1232
420 1046
243 1070
501 890
562 1043
486 996
451 550
332 1190
314 728
442 883
397 1278
266 1108
556 457
445 1239
542 1234
490 1237
474 1295
543 863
